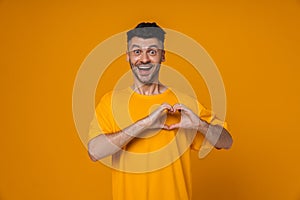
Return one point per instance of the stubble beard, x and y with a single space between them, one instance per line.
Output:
148 79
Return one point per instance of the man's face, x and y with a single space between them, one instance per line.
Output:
145 57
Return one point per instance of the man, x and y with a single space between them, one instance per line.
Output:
149 129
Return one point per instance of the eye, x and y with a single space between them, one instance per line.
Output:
137 52
152 52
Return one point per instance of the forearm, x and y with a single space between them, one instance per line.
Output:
108 144
216 135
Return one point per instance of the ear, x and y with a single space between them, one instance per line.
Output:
163 57
127 56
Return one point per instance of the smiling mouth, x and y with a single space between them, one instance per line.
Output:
146 68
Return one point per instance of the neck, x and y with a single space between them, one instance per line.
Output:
149 89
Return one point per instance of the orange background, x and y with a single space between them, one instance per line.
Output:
255 45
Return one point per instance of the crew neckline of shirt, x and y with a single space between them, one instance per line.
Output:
168 90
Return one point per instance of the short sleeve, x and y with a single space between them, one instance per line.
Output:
209 117
103 121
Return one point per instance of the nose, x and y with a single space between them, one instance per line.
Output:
144 58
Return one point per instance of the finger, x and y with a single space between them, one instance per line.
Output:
182 107
178 107
167 106
162 108
165 127
174 126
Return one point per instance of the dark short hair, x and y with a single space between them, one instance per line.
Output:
147 30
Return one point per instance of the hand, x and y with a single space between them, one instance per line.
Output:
156 120
189 120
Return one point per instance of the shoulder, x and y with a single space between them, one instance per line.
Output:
108 97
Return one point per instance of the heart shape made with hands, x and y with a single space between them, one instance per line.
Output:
188 119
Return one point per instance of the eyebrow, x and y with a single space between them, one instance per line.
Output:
137 46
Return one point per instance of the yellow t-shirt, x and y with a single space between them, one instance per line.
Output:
156 165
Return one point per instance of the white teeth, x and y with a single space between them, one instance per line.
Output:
145 68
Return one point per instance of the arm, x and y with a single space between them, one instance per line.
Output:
108 144
216 135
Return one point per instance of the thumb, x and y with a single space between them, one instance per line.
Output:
174 126
165 127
